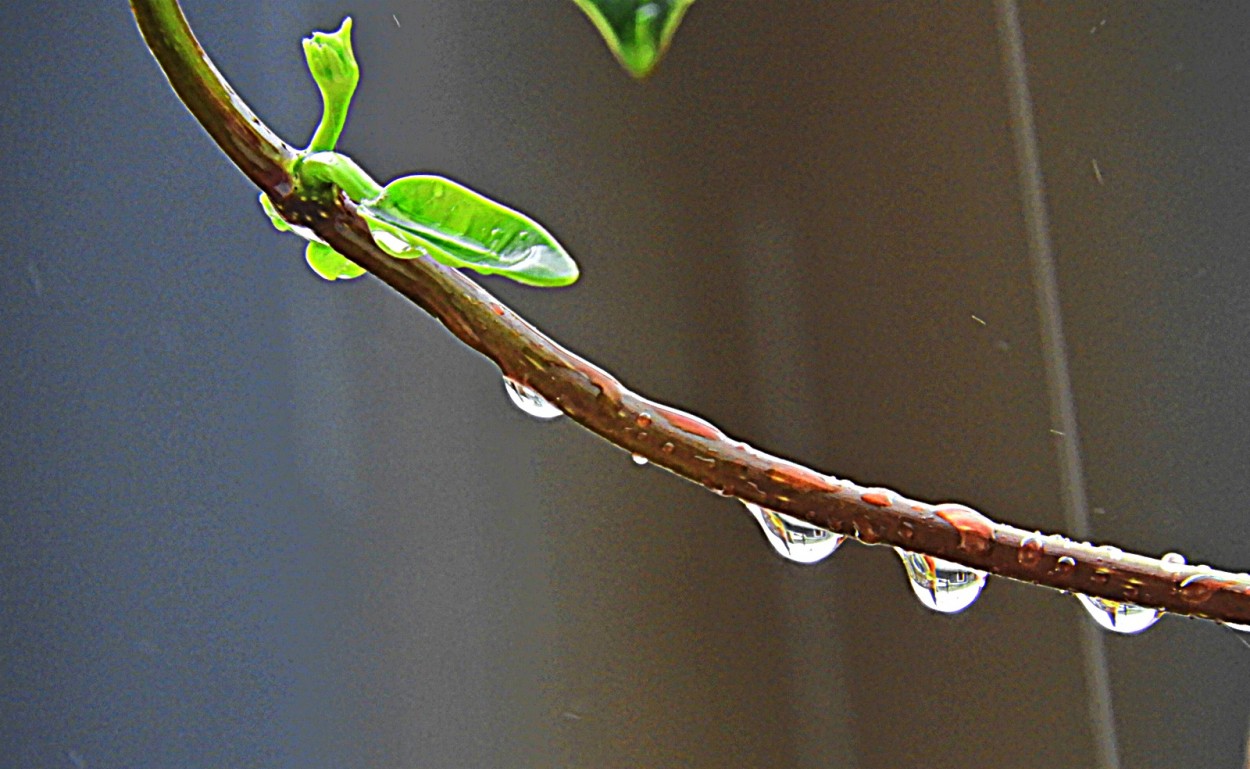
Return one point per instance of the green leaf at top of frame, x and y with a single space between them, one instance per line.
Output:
637 31
460 228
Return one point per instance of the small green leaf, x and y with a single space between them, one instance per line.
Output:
330 264
279 223
459 227
637 31
333 67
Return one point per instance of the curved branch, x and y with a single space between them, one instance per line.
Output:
668 438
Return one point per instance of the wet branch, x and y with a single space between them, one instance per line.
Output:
668 438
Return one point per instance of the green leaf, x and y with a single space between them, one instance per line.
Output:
333 67
330 264
637 31
279 223
460 228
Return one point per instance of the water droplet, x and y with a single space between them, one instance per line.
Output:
1065 564
799 477
1175 558
690 423
643 420
667 448
1032 548
906 530
793 539
941 585
529 401
866 530
1119 617
877 497
638 459
1197 588
976 532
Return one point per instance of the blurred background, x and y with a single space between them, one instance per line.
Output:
250 518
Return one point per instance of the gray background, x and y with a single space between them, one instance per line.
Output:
252 519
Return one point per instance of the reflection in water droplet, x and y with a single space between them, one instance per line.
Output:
529 401
1119 617
793 539
638 459
941 585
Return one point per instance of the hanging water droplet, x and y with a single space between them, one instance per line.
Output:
638 459
529 401
1119 617
941 585
793 539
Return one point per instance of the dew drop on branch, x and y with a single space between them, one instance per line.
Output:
1119 617
793 539
529 401
941 585
639 459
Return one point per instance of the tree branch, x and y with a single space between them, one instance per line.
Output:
668 438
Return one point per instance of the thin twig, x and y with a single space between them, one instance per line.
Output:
672 439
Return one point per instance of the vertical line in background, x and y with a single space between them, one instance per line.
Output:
1055 355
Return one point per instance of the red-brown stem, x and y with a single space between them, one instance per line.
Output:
668 438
